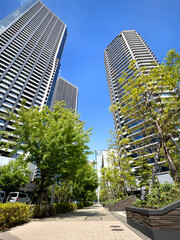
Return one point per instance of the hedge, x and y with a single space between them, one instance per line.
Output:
12 214
87 204
39 211
80 205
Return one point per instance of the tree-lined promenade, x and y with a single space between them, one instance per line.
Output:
95 223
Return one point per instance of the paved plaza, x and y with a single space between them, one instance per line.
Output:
92 223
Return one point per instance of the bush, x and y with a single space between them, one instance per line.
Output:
111 202
168 193
87 204
39 211
80 205
12 214
43 210
65 207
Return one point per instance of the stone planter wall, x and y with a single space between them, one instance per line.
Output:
160 224
121 206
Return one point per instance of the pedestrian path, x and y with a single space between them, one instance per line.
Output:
92 223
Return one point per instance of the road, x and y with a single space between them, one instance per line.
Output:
92 223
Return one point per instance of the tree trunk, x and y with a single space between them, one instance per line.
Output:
41 191
72 196
154 171
174 141
169 160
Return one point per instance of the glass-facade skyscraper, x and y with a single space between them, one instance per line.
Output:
32 40
127 46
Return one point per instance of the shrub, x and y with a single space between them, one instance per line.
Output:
87 204
39 211
80 205
168 193
43 210
113 201
12 214
65 207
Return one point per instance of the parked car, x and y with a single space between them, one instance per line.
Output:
18 197
2 196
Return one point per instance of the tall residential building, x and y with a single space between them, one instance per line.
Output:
101 159
127 46
32 40
66 91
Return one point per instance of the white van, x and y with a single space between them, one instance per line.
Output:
2 196
18 197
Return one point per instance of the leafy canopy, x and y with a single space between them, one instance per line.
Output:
13 176
50 139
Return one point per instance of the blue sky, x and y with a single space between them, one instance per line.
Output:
92 25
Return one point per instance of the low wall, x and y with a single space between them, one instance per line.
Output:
158 224
121 206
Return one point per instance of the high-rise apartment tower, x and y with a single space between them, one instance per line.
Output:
32 40
128 46
65 91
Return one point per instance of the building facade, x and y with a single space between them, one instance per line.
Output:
101 160
32 40
65 91
128 46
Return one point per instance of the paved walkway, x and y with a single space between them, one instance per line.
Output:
92 223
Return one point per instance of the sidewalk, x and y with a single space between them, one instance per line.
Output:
92 223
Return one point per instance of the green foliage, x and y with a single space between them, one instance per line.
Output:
63 191
144 172
13 214
166 194
117 177
42 210
13 176
65 207
87 204
81 187
54 140
86 183
111 202
80 205
39 211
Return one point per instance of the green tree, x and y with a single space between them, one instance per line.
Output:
50 139
13 176
105 193
144 172
86 183
152 98
63 191
72 169
118 178
108 184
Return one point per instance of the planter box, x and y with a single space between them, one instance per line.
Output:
157 224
